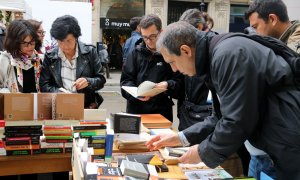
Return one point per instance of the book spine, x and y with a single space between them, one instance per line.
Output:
22 152
58 140
58 137
57 127
7 128
22 147
97 145
67 134
109 141
76 128
22 138
22 134
52 150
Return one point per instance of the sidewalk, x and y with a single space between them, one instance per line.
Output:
114 80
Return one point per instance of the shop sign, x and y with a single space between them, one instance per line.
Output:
114 23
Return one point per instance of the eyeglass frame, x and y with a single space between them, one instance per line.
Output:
151 37
26 44
42 33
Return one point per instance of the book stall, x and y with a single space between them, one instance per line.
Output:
42 133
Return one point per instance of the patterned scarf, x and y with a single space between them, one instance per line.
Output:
25 63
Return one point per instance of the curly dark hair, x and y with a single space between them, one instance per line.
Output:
64 25
16 32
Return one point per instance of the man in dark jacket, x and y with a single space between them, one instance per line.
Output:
72 65
249 80
144 63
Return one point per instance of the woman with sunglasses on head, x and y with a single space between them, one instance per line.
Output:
20 63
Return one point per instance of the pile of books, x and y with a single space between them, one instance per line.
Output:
2 144
57 139
95 136
22 138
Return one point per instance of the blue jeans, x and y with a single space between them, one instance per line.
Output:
261 164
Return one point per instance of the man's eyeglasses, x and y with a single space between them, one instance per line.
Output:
151 37
26 44
42 33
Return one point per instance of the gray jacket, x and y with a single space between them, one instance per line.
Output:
7 74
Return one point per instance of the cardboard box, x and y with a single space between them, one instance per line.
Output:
69 106
43 106
16 106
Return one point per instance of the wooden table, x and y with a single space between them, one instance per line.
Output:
41 163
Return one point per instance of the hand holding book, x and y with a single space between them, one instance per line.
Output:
146 89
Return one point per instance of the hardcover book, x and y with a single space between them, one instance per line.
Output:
134 169
127 123
145 89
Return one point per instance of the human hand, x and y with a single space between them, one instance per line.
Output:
163 140
191 156
93 106
162 84
145 98
80 83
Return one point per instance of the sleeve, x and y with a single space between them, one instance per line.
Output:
238 86
198 132
176 85
129 75
98 80
47 82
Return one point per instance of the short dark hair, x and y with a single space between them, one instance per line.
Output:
149 20
194 17
134 22
266 7
64 25
36 25
16 32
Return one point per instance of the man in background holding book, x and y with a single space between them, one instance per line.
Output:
144 63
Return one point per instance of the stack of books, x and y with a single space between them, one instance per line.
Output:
58 137
154 121
95 135
22 138
2 145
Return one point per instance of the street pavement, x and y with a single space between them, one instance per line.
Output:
113 100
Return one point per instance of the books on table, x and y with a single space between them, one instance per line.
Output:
145 89
154 121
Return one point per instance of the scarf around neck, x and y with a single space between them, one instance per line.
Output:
25 63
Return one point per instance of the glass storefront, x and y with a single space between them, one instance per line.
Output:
114 21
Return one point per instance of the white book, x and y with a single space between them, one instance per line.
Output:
145 89
134 169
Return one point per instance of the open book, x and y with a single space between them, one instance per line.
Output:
147 88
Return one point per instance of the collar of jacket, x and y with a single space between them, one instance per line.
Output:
82 49
289 31
202 52
143 49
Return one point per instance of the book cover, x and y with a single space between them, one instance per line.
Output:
134 169
176 152
109 141
154 121
145 159
126 123
146 88
209 174
109 171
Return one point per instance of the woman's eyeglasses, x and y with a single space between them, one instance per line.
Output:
42 33
26 44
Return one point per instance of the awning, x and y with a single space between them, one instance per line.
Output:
14 9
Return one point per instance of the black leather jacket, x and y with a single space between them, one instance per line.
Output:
88 66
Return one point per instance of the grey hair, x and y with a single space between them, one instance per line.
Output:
175 35
194 17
